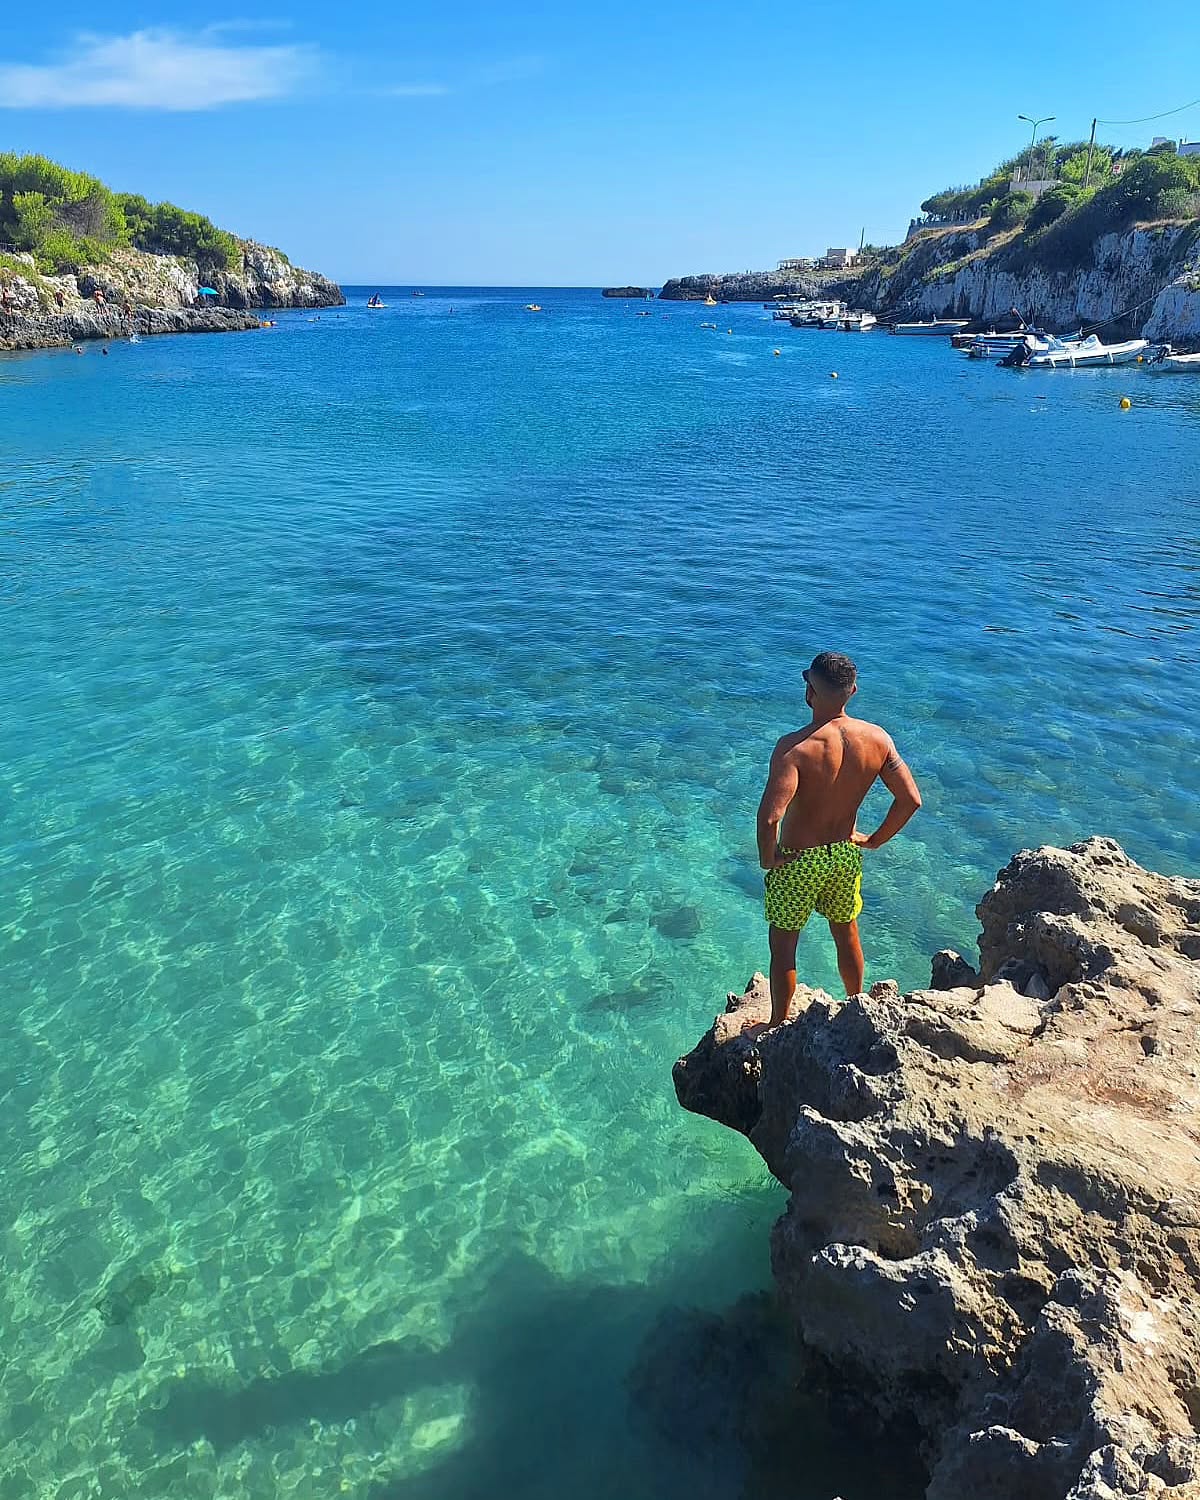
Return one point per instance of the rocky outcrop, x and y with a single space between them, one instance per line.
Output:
268 279
994 1214
85 322
1142 282
1136 283
745 286
627 291
163 292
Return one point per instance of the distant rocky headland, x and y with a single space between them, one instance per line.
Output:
1069 236
627 291
742 286
78 261
993 1228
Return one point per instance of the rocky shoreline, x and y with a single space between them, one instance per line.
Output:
25 332
1139 282
162 293
993 1228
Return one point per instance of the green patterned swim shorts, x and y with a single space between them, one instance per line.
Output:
827 880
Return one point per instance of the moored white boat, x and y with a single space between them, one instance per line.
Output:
818 314
1076 354
1167 363
943 326
997 345
858 322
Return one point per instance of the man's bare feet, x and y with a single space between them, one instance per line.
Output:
759 1028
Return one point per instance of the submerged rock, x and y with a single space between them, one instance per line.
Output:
994 1214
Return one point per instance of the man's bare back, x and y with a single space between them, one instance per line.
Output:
807 839
836 765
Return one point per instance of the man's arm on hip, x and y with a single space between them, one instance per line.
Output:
906 798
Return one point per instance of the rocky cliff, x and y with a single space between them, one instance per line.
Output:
994 1216
1142 281
163 292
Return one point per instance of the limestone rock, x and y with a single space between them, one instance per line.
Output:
951 971
163 291
745 286
994 1214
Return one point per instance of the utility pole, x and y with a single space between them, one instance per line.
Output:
1087 175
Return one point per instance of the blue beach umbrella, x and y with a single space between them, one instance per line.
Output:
207 291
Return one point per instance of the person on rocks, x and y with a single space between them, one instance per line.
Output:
807 840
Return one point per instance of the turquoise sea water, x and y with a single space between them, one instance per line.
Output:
388 698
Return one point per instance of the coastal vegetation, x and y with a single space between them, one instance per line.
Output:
68 219
1060 226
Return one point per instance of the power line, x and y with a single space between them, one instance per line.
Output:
1146 119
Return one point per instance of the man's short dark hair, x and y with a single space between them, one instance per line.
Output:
834 671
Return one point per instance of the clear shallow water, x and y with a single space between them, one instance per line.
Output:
388 700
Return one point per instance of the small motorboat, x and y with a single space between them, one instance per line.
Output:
1165 362
710 300
375 302
935 326
418 294
998 345
818 315
858 322
536 307
1074 354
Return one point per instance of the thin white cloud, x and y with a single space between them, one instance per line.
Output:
156 69
417 90
470 78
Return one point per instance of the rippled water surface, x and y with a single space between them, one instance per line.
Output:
388 698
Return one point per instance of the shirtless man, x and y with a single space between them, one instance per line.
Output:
807 841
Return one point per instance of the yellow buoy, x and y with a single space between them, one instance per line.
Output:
1126 403
1139 359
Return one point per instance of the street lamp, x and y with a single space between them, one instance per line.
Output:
1029 120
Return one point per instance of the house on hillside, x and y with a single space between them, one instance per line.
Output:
796 266
838 259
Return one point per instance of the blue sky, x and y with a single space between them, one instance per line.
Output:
531 144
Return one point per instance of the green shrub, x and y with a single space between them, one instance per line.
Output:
61 251
1052 205
1012 211
30 219
1136 192
70 218
1177 203
1073 168
167 230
